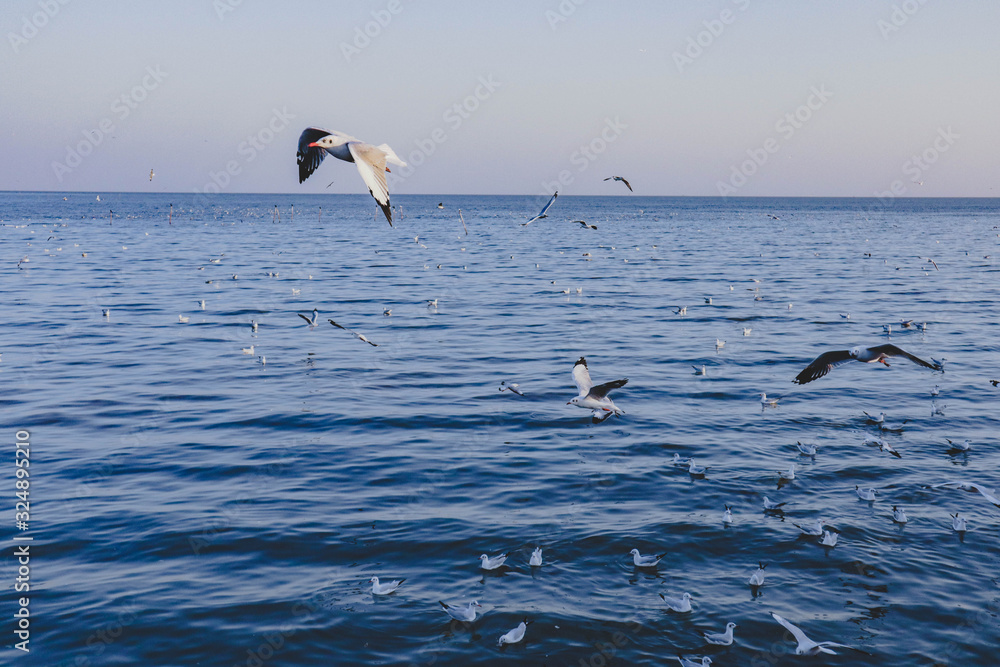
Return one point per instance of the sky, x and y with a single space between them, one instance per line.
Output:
697 97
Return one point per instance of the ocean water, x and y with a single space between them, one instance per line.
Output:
191 505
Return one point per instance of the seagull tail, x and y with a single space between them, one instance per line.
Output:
390 155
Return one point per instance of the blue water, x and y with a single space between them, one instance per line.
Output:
193 506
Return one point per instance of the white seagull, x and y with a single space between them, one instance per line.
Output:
971 486
644 561
619 178
721 639
757 578
183 319
766 402
958 523
771 506
865 494
898 515
536 558
807 646
727 516
880 419
787 475
681 605
315 143
815 529
515 635
704 662
467 615
310 320
511 387
806 450
488 563
542 214
384 589
827 361
963 446
594 397
360 337
829 539
694 469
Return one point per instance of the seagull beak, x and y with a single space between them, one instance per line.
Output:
569 402
388 170
313 145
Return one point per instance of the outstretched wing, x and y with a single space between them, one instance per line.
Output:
822 365
310 158
601 390
581 376
305 318
626 183
542 212
800 636
371 164
891 350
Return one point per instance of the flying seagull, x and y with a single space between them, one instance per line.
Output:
360 337
619 178
585 224
511 387
827 361
807 646
315 143
541 213
594 397
312 321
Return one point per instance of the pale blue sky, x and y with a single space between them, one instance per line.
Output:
680 130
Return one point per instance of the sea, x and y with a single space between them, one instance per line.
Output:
195 492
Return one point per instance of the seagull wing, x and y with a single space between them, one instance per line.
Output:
601 390
310 158
581 376
891 350
371 164
306 318
822 365
800 636
626 183
541 214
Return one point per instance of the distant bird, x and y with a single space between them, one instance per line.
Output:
829 539
541 213
815 528
106 312
846 316
360 337
806 450
746 331
935 391
594 397
695 469
898 515
384 589
619 178
387 312
467 615
880 419
585 224
247 350
492 563
807 646
432 303
151 175
681 605
757 578
183 319
700 370
958 523
721 639
536 558
704 662
313 320
766 402
515 635
315 143
644 561
727 516
787 475
771 506
253 325
865 494
719 344
511 387
827 361
708 301
963 446
681 310
995 382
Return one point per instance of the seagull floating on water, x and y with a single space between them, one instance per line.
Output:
771 506
695 469
542 213
807 646
511 387
829 539
594 397
757 578
700 370
958 523
787 474
898 515
515 635
827 361
315 143
721 639
806 449
536 558
704 662
681 605
766 402
488 563
815 529
875 420
467 615
963 446
384 589
727 516
644 561
183 319
865 494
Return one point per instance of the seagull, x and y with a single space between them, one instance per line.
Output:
705 662
678 461
727 516
512 387
585 224
183 320
886 447
806 450
766 402
248 350
807 646
487 563
971 486
708 302
963 446
846 316
719 344
387 312
541 214
898 515
253 325
315 143
771 506
787 474
681 604
432 303
384 589
700 370
958 523
619 178
681 310
467 615
746 331
815 528
876 420
106 312
827 361
644 561
311 321
536 558
694 469
757 578
263 360
721 639
865 494
515 635
936 390
360 337
829 539
594 397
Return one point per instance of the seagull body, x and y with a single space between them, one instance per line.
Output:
787 474
898 515
536 558
360 337
488 563
511 387
681 310
766 402
594 397
815 529
585 224
311 321
619 178
183 319
694 469
719 344
757 578
704 662
827 361
880 419
806 450
678 461
727 516
746 331
958 523
807 646
770 506
963 446
542 213
971 486
865 494
721 639
467 615
384 589
829 539
315 143
253 323
248 350
515 635
700 370
644 561
681 605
